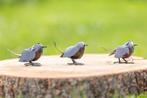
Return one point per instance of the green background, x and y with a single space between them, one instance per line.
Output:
99 23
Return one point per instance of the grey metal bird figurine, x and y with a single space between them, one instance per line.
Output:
31 54
124 51
75 52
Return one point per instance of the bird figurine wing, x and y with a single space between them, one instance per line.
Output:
27 55
121 51
70 51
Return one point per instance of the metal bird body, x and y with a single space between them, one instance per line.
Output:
79 54
32 54
27 55
75 52
38 54
121 51
124 51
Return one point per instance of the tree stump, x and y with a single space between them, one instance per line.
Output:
99 77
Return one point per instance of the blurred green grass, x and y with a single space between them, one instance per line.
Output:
99 23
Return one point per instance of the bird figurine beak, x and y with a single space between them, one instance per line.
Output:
135 44
85 45
44 46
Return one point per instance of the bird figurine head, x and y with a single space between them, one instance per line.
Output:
38 46
81 44
130 44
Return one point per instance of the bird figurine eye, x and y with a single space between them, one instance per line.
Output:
128 43
33 49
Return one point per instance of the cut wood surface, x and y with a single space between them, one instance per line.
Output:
56 67
99 77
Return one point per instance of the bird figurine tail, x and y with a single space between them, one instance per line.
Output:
113 52
12 52
55 45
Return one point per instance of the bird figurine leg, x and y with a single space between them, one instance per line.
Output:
74 62
31 63
125 60
119 61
